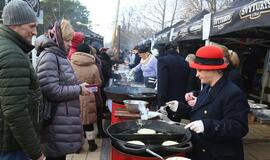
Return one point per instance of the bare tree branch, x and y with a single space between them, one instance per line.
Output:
154 15
174 12
164 14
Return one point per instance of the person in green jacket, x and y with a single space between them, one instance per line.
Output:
19 87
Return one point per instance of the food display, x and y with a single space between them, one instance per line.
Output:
146 131
169 143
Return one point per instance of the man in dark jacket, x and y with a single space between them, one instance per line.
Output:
173 74
106 68
19 88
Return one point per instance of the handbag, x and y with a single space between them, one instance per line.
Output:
48 112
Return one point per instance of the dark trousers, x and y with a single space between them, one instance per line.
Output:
56 158
100 99
99 118
14 155
89 127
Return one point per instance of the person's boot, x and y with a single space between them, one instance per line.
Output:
92 145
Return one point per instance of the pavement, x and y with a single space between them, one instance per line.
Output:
257 142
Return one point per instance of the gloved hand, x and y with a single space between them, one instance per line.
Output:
173 105
196 126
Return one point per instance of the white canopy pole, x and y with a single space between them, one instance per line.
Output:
206 27
265 76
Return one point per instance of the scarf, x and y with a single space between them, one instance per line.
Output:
56 35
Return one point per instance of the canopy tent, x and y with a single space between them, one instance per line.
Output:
192 29
164 36
91 36
250 20
244 22
235 22
244 26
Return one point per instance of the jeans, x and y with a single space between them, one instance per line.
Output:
14 155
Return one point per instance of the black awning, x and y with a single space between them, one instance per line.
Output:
249 20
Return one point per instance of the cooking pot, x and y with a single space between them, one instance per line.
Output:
120 93
122 132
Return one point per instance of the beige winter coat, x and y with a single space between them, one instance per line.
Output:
86 71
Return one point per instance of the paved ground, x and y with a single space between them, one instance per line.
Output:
256 143
86 155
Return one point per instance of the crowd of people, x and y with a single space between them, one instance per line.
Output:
49 109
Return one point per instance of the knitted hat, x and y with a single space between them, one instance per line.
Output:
209 58
18 12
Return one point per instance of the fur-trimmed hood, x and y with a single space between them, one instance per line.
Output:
82 59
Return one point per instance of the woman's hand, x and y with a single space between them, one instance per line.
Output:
84 90
192 102
191 99
189 96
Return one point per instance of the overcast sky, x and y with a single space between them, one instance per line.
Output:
103 12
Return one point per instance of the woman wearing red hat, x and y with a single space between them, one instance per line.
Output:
77 39
219 116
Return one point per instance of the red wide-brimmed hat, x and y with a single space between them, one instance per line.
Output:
209 58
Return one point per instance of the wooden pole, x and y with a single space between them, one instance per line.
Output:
115 25
118 40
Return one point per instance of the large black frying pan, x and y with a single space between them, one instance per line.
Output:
122 132
120 93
